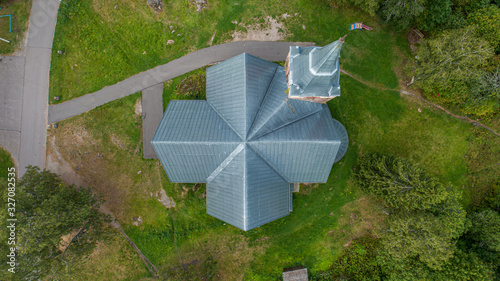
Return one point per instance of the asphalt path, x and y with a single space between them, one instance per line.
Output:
152 112
36 83
24 89
11 102
273 51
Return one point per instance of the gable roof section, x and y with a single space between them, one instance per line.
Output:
192 140
277 110
247 192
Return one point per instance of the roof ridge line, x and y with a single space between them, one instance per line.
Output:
257 152
226 162
323 59
197 142
272 82
225 121
284 125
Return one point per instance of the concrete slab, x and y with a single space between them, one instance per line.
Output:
11 93
152 112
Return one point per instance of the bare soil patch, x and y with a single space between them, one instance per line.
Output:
269 30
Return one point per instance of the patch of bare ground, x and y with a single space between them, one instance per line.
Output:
360 217
81 158
270 30
307 188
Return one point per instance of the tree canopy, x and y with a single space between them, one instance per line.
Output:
424 216
399 182
48 209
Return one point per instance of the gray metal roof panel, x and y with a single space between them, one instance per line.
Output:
305 150
193 121
191 162
226 193
277 110
192 140
267 193
236 88
247 192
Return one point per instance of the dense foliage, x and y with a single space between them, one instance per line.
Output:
48 209
401 184
424 217
426 235
449 66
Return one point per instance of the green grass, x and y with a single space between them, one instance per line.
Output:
20 11
112 259
170 88
104 45
5 163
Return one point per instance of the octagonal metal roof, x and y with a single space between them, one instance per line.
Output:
248 142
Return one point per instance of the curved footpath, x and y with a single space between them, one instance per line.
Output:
273 51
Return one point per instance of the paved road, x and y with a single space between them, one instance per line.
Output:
274 51
11 102
152 112
36 83
25 91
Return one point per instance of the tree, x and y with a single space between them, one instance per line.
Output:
484 95
487 22
485 229
424 218
402 13
426 235
447 63
463 266
48 209
400 183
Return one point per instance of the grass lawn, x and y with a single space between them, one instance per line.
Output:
112 259
5 163
20 11
105 41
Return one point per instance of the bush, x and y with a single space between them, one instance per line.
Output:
192 86
357 262
399 182
487 22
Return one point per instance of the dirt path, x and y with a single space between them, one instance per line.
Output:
408 93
